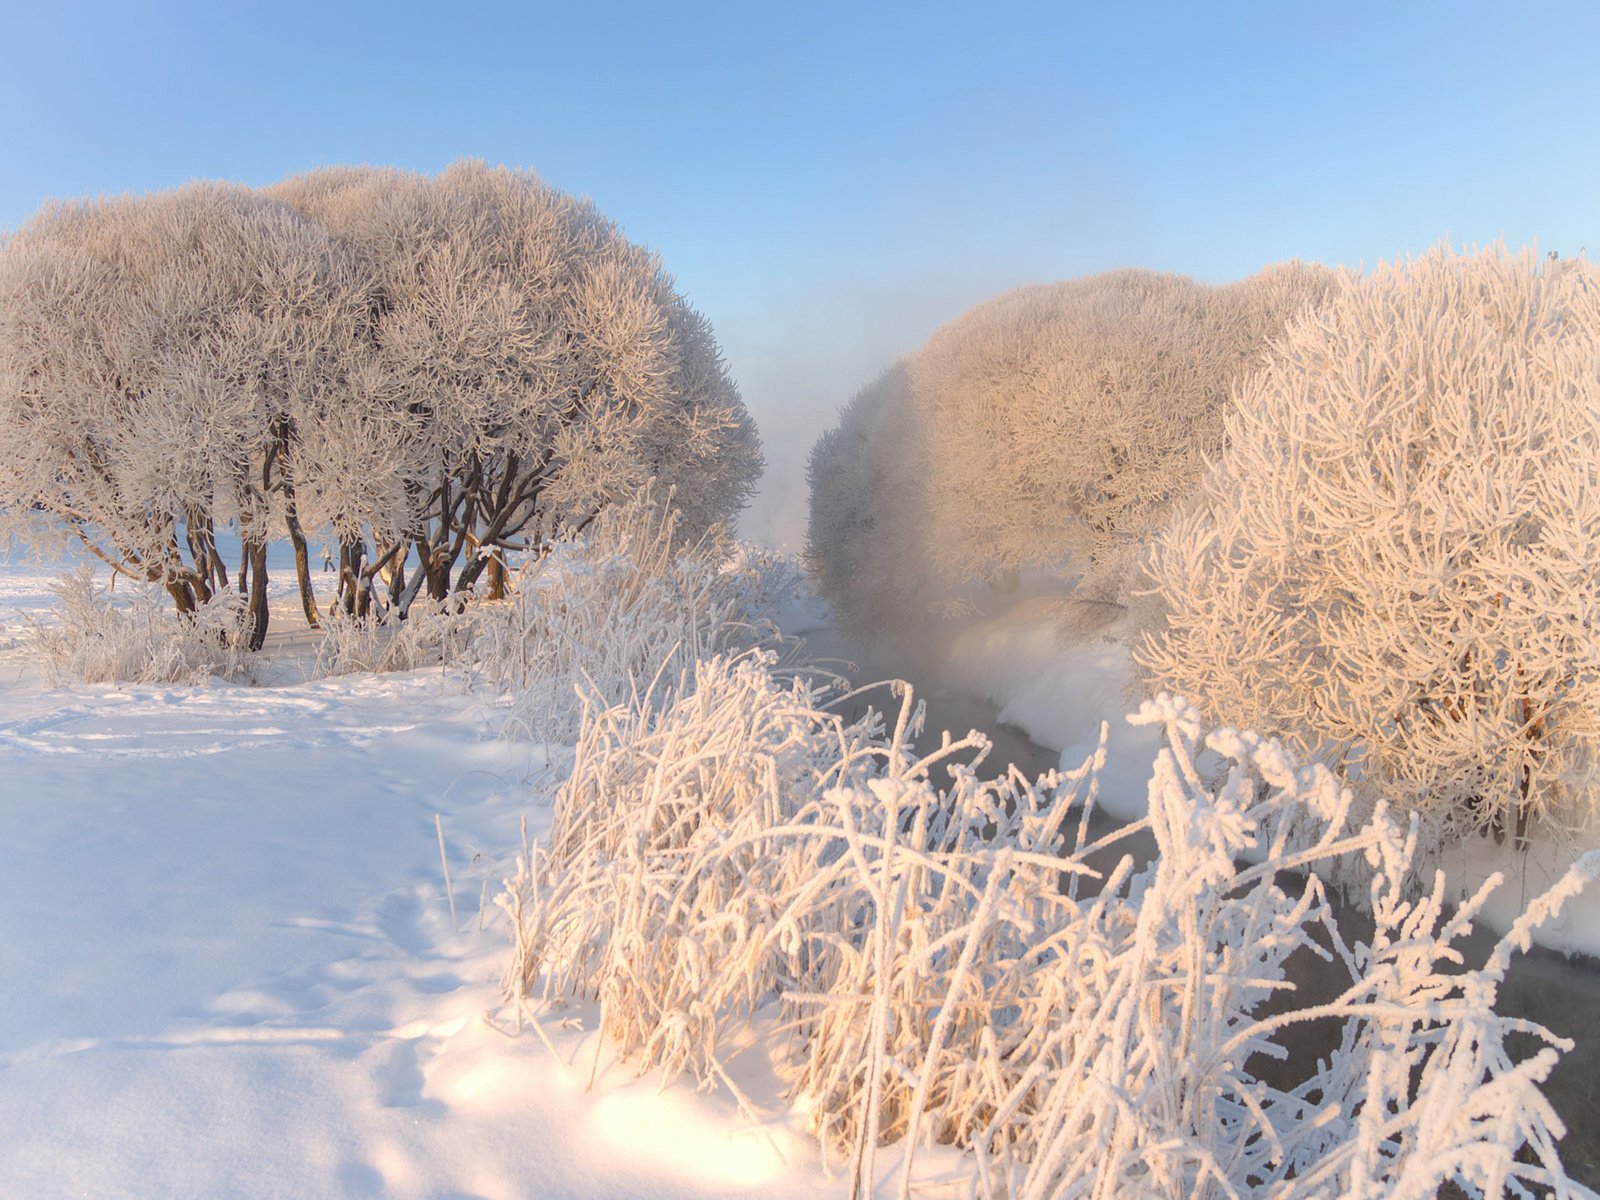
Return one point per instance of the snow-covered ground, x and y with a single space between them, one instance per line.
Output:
231 965
228 965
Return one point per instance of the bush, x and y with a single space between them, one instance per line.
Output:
95 640
617 611
1053 427
948 966
1393 565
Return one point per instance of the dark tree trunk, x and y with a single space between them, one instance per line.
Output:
302 564
182 596
436 565
256 611
469 574
414 585
208 569
351 552
397 580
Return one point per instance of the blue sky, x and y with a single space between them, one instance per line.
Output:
831 182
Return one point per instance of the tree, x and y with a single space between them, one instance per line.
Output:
1394 562
868 490
1067 419
1052 427
152 352
541 366
426 370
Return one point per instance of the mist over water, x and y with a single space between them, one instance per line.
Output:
799 354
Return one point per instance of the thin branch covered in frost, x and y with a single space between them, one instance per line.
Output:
944 965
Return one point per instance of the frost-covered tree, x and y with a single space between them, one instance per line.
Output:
1067 418
1054 426
153 353
534 366
1395 562
428 370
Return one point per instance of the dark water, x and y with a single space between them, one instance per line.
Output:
1542 986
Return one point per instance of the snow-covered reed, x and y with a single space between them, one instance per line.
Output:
731 860
95 639
432 633
617 608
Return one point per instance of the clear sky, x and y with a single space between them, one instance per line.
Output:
831 182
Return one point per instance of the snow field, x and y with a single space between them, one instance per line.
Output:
238 954
229 967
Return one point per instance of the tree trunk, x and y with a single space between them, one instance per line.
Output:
256 612
302 564
397 579
437 568
414 585
182 596
351 552
469 574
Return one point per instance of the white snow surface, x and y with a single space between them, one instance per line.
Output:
227 963
1053 666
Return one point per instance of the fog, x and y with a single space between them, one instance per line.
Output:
801 354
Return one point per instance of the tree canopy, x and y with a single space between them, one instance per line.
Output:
427 371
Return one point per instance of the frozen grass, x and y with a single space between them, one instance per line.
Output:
617 610
431 634
605 611
729 860
94 639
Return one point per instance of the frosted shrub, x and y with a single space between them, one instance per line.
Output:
619 608
932 965
432 634
1393 565
1052 427
93 639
